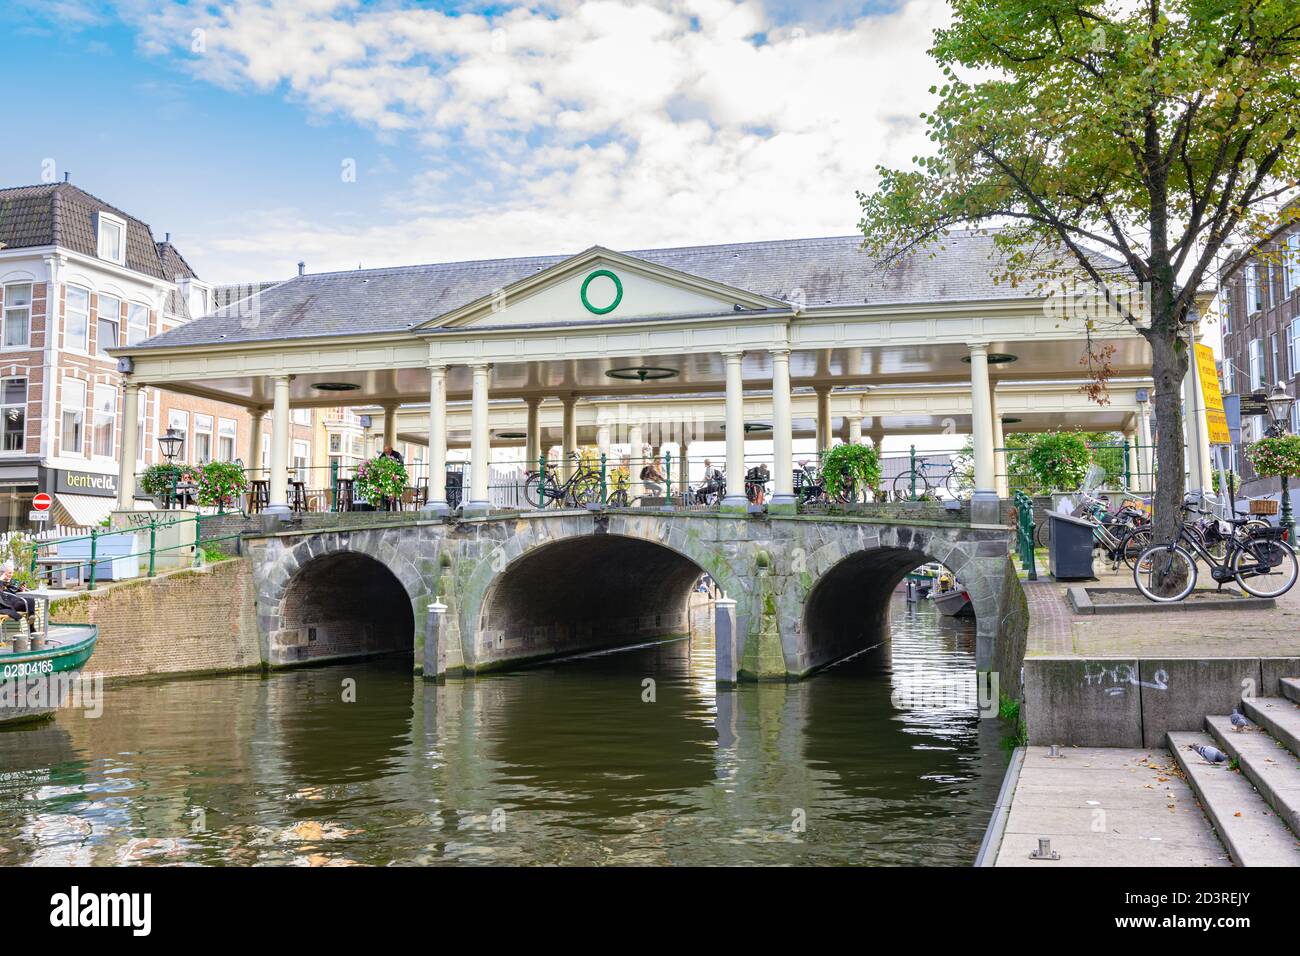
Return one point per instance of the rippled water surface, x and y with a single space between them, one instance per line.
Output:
880 760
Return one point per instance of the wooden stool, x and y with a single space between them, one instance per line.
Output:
343 496
298 498
259 494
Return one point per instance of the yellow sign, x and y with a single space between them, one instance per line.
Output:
1215 420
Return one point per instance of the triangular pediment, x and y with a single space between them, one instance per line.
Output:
600 284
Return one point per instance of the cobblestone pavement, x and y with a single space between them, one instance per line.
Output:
1055 630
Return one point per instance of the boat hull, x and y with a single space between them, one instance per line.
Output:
954 604
36 683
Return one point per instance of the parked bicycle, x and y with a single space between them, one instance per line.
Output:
581 487
1259 560
930 476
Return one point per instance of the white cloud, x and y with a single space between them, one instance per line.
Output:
635 123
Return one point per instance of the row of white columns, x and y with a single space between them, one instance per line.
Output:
986 432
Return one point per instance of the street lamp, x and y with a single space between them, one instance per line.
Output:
1279 403
171 443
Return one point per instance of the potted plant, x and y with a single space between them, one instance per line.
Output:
220 483
1059 460
1276 456
380 479
159 481
849 470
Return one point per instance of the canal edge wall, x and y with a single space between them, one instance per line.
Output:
179 623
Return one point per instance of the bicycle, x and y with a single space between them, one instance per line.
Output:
950 482
1249 559
574 492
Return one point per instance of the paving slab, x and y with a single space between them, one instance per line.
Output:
1104 806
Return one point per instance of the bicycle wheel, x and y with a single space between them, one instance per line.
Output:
535 490
1165 574
956 488
1265 568
903 485
1134 542
1042 534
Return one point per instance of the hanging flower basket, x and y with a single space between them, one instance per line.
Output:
380 478
1275 456
220 483
1059 460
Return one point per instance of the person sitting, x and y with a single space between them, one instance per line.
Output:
391 452
13 604
652 478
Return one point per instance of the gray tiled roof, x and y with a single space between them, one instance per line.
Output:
63 214
175 267
822 272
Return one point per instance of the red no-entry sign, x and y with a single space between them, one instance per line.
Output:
42 502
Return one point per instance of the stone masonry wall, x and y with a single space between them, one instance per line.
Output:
182 622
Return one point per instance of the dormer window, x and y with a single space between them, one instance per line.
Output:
111 238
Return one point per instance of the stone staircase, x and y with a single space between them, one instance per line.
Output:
1256 812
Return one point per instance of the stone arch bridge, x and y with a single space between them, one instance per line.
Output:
809 590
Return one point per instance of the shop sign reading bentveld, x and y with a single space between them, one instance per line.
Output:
86 483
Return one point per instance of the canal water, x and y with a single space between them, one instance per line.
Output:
632 757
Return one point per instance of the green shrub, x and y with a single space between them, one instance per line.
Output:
1059 460
850 469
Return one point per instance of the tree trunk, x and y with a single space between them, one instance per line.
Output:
1169 363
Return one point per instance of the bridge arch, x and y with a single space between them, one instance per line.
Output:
846 607
340 595
560 587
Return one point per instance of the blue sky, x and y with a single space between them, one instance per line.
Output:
475 129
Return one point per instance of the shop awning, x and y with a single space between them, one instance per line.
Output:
81 511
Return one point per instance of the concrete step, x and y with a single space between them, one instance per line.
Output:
1279 716
1252 832
1291 688
1274 770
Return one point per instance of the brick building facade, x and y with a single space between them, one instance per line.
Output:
78 276
1260 311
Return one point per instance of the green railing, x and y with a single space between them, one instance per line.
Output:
1025 534
97 557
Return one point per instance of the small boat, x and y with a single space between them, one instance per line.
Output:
954 602
38 672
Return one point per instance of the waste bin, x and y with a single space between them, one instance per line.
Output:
1069 550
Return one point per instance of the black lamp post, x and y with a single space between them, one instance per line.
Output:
170 443
1279 411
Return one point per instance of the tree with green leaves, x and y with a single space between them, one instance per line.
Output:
1129 143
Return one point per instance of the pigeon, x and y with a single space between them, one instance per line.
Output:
1209 753
1239 721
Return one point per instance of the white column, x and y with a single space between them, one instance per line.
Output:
602 439
126 467
982 422
999 445
823 417
684 466
533 442
569 441
480 445
1194 432
1146 454
253 463
735 496
637 442
437 503
390 426
782 432
1134 481
279 477
855 431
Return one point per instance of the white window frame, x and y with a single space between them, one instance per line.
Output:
1293 348
95 422
301 416
1252 289
5 405
1225 312
1291 267
100 319
180 420
137 319
1255 364
68 314
10 291
1228 384
79 410
227 431
300 451
103 219
205 426
1275 358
